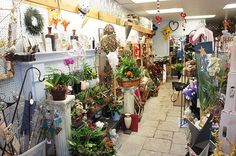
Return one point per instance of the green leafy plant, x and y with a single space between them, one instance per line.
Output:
88 72
128 69
115 107
76 77
178 67
55 78
88 141
95 92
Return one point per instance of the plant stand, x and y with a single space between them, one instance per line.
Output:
128 101
64 107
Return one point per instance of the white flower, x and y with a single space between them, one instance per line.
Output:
99 124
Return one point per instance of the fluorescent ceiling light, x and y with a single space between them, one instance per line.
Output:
165 11
230 6
145 1
200 17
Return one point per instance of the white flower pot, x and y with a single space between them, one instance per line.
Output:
92 83
84 85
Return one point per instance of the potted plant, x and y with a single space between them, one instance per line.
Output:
56 83
115 110
128 73
75 80
178 68
89 75
88 141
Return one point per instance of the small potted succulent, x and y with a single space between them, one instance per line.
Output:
128 73
56 83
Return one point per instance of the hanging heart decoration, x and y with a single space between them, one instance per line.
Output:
183 16
174 25
158 19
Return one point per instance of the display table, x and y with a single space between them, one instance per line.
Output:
64 108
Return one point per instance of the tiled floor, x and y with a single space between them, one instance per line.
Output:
158 134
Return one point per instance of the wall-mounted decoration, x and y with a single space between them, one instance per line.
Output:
166 32
33 21
65 23
174 25
54 17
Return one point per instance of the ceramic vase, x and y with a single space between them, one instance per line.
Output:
127 120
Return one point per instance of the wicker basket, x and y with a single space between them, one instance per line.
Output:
128 83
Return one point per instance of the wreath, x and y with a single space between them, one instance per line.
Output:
33 21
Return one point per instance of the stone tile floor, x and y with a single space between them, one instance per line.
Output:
158 134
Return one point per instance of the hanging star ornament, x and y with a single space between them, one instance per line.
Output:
202 52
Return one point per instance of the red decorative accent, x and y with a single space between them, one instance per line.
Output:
183 16
158 19
137 50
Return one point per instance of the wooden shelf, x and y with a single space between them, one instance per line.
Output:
93 13
70 6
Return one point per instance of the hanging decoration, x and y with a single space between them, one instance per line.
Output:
226 24
54 19
183 16
65 23
33 21
158 18
137 51
166 32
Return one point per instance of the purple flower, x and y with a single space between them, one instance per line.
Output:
189 92
69 61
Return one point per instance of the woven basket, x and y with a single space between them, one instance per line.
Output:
128 83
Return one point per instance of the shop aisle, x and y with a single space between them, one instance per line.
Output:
159 134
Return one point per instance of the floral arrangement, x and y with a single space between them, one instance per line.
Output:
128 69
190 91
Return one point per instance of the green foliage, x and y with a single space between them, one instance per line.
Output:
76 77
89 142
88 72
116 107
91 92
128 69
56 77
179 67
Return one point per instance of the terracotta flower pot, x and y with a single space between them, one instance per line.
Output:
59 93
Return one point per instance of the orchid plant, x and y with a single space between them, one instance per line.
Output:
68 62
212 77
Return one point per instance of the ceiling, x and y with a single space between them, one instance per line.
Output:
191 7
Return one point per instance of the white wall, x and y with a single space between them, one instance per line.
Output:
160 46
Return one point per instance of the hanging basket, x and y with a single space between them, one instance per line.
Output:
128 83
